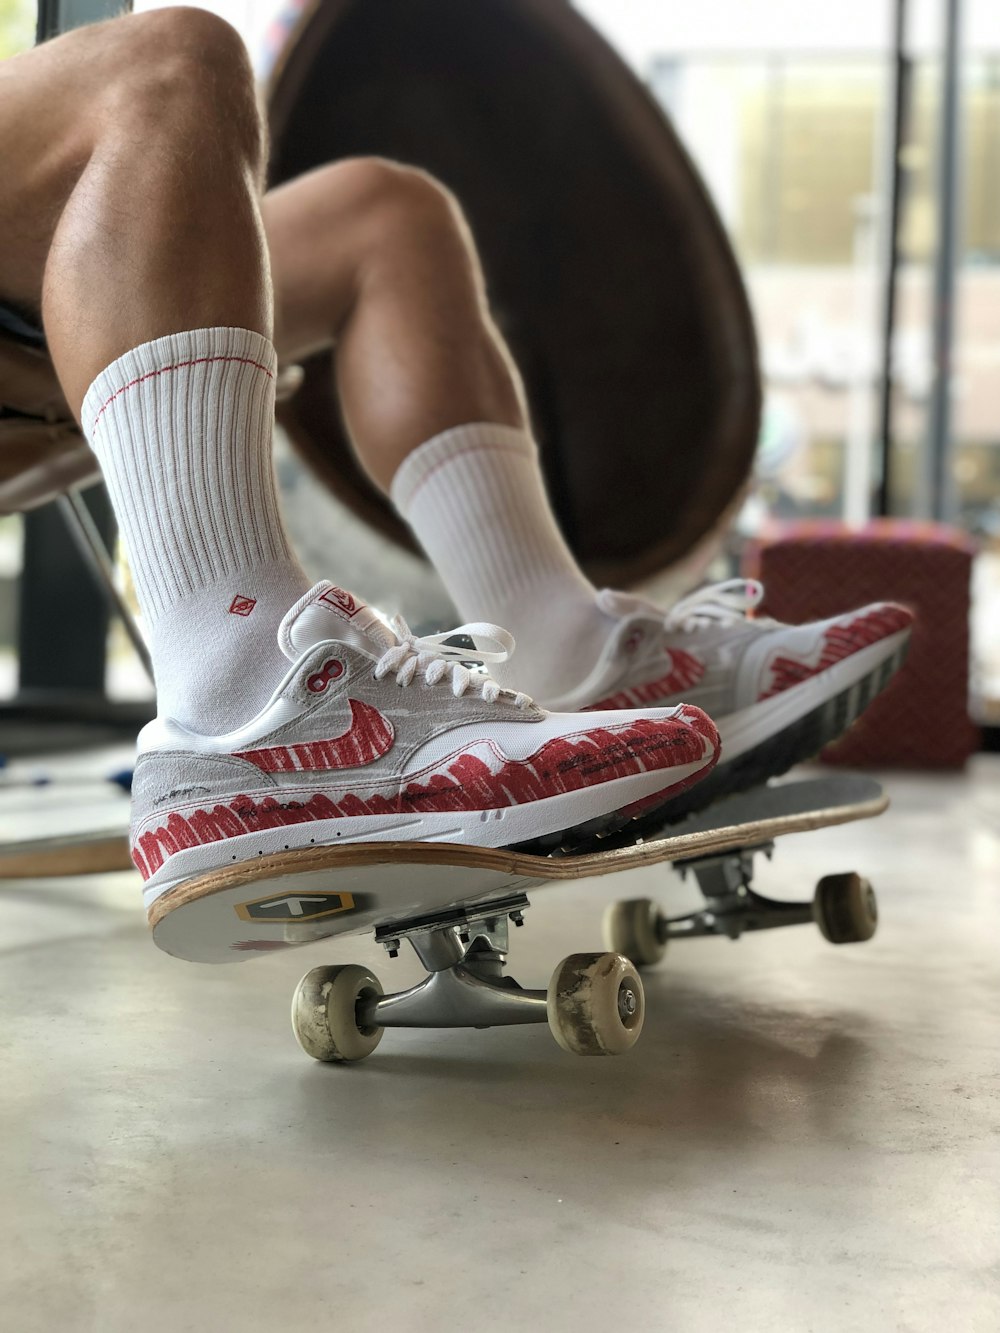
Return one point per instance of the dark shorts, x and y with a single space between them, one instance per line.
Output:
21 326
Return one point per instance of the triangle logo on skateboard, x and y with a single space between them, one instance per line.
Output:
296 907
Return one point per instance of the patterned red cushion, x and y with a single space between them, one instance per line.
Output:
812 570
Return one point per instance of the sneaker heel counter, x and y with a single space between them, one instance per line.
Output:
166 778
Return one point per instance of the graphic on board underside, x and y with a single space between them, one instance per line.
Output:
295 907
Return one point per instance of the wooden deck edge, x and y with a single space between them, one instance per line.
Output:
93 855
515 865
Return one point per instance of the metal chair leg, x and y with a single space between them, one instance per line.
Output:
84 530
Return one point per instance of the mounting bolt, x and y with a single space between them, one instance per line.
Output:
517 918
464 936
627 1001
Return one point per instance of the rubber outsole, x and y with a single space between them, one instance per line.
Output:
614 829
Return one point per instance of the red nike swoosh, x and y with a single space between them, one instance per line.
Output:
369 736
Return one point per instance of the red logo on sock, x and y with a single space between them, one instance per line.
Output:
242 606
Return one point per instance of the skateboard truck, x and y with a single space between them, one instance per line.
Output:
732 905
464 953
594 1003
843 907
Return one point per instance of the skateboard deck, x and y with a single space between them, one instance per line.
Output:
91 853
89 821
294 898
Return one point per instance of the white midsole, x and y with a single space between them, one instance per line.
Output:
480 828
748 727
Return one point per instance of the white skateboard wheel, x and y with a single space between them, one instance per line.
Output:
845 908
595 1004
324 1013
630 928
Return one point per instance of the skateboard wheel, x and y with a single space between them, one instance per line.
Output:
596 1004
324 1013
631 928
845 908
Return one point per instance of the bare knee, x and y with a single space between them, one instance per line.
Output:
400 205
182 69
401 192
181 35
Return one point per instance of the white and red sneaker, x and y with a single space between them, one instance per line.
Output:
777 693
374 735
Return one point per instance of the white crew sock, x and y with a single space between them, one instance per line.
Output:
475 498
182 429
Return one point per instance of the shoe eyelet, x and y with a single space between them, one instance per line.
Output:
331 670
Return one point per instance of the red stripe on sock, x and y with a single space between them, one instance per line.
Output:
180 365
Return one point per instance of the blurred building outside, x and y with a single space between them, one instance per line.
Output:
784 109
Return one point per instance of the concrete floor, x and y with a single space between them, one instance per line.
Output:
806 1138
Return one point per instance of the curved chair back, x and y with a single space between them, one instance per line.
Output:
608 267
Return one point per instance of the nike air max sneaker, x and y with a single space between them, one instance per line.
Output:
375 735
777 693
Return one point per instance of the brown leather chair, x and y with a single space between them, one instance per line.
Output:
42 453
44 456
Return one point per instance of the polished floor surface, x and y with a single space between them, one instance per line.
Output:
805 1138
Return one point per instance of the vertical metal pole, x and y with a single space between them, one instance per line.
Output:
56 16
898 127
81 525
771 211
940 481
858 442
47 20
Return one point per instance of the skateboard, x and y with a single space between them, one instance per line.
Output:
92 822
454 905
91 853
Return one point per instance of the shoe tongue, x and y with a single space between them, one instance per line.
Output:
328 612
624 606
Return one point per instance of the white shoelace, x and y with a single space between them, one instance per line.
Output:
435 659
717 603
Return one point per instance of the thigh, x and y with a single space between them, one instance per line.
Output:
41 125
52 102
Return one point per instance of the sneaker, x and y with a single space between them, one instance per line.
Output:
777 693
375 735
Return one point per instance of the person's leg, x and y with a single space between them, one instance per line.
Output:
131 218
376 260
131 154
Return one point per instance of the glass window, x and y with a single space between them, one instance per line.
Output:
17 26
